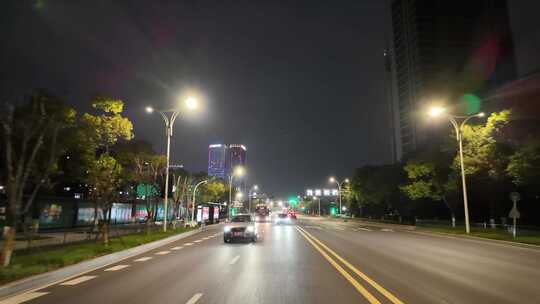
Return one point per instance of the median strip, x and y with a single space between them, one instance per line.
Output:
371 282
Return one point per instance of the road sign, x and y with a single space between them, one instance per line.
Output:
515 196
514 213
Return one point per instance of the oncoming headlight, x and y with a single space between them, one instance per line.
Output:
227 229
250 228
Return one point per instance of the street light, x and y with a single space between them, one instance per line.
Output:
314 198
238 171
458 122
250 194
169 117
339 185
193 222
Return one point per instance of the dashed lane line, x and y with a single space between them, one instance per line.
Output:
143 259
116 268
78 280
188 244
234 260
163 252
24 297
363 229
196 297
177 248
387 230
198 241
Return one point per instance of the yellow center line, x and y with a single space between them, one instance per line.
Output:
375 285
371 299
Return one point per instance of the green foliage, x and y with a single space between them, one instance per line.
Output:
212 191
524 164
108 126
480 147
105 177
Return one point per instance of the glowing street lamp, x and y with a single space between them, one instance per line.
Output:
238 172
169 117
250 194
458 122
339 185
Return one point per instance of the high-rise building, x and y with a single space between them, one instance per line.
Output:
218 160
444 50
237 157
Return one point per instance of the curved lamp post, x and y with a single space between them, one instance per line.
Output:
339 185
458 122
169 117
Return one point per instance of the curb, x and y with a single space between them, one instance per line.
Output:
47 279
476 238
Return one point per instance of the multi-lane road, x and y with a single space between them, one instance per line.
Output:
314 261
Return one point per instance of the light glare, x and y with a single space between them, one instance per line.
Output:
436 111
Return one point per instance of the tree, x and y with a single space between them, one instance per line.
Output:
524 165
105 129
485 157
212 191
105 176
427 181
31 144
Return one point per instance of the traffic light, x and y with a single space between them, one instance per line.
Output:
333 210
233 211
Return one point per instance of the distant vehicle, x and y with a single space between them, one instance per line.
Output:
292 215
282 218
262 213
241 227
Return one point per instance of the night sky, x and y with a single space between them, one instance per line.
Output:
300 85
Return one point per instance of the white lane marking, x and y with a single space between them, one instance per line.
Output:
234 260
117 267
188 244
362 228
198 241
24 297
143 259
78 280
195 298
339 228
177 248
163 252
206 238
387 230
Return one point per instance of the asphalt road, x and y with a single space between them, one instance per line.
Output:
315 261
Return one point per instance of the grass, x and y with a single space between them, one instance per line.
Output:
527 237
36 261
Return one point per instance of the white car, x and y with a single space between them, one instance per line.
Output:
241 227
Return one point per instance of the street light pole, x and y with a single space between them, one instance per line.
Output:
250 193
315 197
193 201
239 171
339 186
169 117
169 123
458 127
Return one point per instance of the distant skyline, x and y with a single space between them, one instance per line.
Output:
301 84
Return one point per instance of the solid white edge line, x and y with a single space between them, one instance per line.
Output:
196 297
24 297
78 280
